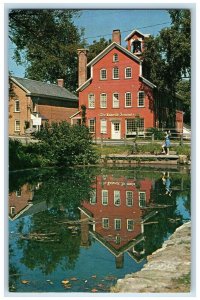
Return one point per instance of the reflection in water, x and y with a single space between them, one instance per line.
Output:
72 224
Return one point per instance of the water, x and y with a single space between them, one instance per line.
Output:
79 230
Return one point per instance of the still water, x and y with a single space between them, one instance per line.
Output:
79 230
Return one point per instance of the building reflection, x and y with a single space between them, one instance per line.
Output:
115 215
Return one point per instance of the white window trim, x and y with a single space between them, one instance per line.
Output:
18 130
138 99
114 100
125 99
140 199
127 198
89 125
115 221
119 194
17 100
103 120
128 77
89 106
102 197
115 78
93 196
102 101
101 78
102 221
127 225
114 59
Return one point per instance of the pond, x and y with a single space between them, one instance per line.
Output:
79 230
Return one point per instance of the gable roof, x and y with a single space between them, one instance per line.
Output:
134 31
43 89
108 49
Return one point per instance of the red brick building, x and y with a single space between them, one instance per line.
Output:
117 208
119 101
34 102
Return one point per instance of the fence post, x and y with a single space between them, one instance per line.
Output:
101 140
125 139
181 139
152 137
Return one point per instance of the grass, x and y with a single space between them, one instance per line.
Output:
142 149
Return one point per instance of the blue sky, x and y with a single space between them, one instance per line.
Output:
98 23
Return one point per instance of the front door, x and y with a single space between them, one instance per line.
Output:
116 134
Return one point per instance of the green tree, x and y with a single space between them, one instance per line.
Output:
66 144
183 88
167 59
97 47
46 43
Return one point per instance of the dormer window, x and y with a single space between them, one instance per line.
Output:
137 46
115 57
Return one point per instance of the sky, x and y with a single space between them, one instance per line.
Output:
100 23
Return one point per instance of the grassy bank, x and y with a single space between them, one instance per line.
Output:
141 149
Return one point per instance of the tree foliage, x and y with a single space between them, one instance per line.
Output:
97 47
46 43
66 144
167 57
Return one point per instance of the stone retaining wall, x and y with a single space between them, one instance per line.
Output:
167 270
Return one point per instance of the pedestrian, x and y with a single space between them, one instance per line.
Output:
166 145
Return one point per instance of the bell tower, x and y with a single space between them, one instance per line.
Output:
135 41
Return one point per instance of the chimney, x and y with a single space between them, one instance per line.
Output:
82 66
60 82
116 36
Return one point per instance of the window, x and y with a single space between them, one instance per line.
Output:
142 199
137 46
104 196
91 101
103 100
91 125
117 224
103 74
115 57
17 106
129 198
18 193
12 210
117 198
17 125
103 126
128 99
128 72
93 198
141 99
115 100
132 125
117 240
130 225
116 73
105 223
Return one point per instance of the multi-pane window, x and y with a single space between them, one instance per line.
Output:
134 125
115 57
115 100
141 96
91 101
117 224
18 193
12 210
142 199
93 198
103 124
105 223
103 74
104 196
130 225
17 125
129 198
115 73
128 72
92 125
117 198
17 106
103 100
128 99
117 240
